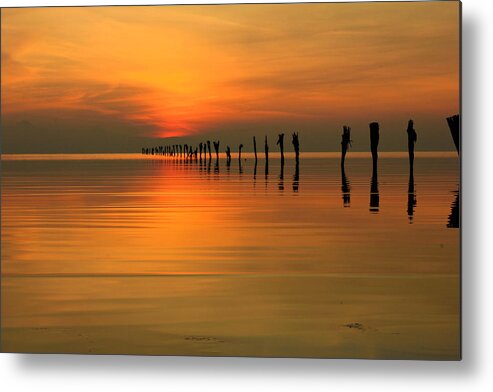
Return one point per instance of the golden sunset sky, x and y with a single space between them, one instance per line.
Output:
114 78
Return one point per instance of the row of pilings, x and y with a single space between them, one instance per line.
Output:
190 152
195 153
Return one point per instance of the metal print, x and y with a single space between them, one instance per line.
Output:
269 180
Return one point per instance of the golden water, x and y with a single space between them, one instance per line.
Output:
123 253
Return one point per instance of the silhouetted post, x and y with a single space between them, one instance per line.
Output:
228 156
296 145
345 188
216 148
209 148
411 197
239 152
346 141
280 142
412 137
266 149
200 149
255 149
454 125
195 153
374 139
181 150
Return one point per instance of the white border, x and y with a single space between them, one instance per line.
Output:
86 373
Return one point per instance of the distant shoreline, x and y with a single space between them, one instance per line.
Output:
245 155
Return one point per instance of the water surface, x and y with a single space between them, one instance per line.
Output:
151 255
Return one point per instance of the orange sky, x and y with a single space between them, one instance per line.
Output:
80 78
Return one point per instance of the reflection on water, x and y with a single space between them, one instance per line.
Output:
345 188
281 175
454 217
296 177
374 194
126 254
411 198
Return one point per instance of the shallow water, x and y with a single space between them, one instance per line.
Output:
151 255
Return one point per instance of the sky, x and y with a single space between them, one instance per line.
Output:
114 79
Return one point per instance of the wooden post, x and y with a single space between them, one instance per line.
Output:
228 156
296 144
266 149
346 141
216 148
209 148
454 125
239 152
412 137
374 139
255 148
280 142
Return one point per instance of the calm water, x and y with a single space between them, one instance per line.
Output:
143 255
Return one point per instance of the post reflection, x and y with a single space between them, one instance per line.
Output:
374 195
454 217
411 198
281 176
345 188
296 177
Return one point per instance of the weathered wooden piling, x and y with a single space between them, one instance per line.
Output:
345 142
209 148
228 156
216 148
374 139
454 125
200 150
255 149
412 137
266 149
239 152
296 145
280 142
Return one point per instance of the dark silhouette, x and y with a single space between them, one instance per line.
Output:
374 139
296 145
239 152
266 149
411 198
296 177
374 195
454 125
200 150
216 148
228 156
346 141
412 137
454 217
280 142
255 149
345 188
